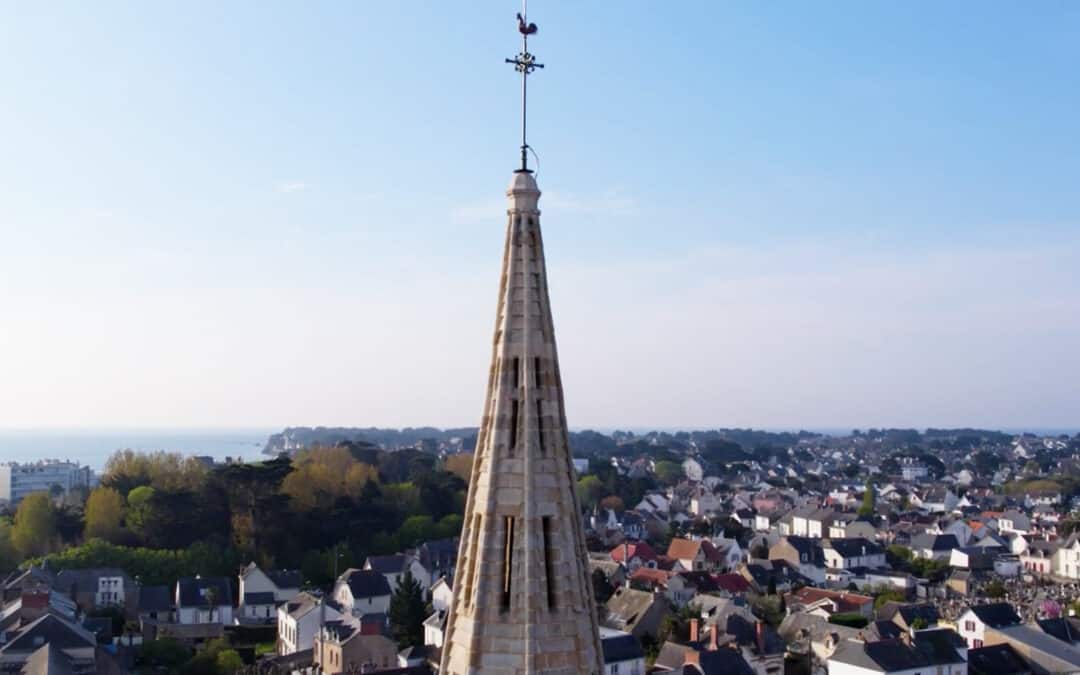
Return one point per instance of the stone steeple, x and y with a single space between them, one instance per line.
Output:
523 600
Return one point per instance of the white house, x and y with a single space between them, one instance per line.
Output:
1067 558
261 592
441 595
934 546
284 584
204 600
973 623
298 621
1014 521
852 554
435 629
810 522
362 592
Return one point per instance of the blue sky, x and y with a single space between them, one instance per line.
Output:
769 214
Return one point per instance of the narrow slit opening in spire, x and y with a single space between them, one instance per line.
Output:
508 561
513 424
540 425
517 372
549 563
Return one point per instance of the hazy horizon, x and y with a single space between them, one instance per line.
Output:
214 216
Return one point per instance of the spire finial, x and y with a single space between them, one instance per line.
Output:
524 63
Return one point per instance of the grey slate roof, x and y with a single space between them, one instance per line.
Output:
927 612
53 630
86 580
1033 638
854 547
194 591
809 550
366 583
621 648
996 614
886 630
286 578
996 660
1066 630
930 649
387 564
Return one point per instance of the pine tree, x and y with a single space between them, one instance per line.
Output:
407 612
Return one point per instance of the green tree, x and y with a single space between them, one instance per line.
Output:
407 612
9 557
416 529
166 653
104 511
668 473
34 533
590 489
888 596
140 511
228 662
449 526
849 619
868 505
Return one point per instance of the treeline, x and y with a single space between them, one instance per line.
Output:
386 438
162 511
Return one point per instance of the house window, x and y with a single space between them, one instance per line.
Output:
508 560
969 626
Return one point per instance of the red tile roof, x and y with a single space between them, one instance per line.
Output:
845 601
637 549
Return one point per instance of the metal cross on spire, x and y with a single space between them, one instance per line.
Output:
524 63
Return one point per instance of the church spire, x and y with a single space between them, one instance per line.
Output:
523 602
525 63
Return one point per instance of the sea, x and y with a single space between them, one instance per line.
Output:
93 447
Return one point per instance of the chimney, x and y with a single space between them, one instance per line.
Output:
34 604
714 638
692 656
760 635
694 635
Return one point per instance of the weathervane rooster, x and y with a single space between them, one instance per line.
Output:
524 28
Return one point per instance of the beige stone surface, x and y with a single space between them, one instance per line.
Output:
523 602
